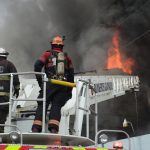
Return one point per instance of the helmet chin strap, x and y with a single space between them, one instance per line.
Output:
3 57
57 46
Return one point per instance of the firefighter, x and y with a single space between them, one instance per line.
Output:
6 67
56 95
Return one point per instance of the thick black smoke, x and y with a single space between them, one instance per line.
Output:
135 37
26 27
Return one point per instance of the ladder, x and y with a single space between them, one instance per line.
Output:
93 90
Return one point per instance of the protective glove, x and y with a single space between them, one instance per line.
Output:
69 93
16 92
40 82
41 86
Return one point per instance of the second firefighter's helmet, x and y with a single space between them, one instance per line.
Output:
3 52
58 40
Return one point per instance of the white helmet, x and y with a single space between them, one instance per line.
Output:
3 52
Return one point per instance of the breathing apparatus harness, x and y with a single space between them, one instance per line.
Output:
58 60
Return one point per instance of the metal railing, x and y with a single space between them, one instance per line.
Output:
11 98
113 131
14 126
45 79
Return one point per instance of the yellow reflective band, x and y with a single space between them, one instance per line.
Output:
78 148
38 146
102 148
4 94
37 122
64 83
13 147
52 121
4 78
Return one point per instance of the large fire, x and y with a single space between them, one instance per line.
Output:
115 59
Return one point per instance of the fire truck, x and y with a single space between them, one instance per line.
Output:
88 90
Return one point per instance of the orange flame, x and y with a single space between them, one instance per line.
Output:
115 60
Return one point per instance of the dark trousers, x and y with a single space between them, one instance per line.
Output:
57 96
4 109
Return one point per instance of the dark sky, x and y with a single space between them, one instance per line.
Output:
26 27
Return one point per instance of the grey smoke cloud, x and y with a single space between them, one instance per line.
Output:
26 27
29 24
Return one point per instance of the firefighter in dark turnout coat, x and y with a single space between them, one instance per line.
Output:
6 67
57 95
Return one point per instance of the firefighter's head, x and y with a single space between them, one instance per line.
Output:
57 42
3 53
